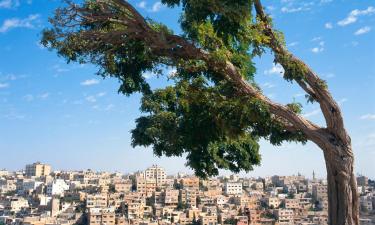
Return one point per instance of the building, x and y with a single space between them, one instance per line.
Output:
97 201
101 216
37 170
123 186
57 187
191 183
233 188
285 216
156 173
208 220
319 192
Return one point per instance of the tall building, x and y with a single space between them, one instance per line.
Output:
37 170
156 173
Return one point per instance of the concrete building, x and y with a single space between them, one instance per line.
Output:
233 188
208 220
191 183
156 173
57 187
284 216
97 201
101 216
37 170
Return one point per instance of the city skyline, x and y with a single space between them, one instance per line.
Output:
61 114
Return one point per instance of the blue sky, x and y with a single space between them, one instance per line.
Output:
67 116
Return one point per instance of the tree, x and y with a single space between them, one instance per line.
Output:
214 113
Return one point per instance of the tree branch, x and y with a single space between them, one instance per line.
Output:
311 83
176 48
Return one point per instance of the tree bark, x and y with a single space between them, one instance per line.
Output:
343 205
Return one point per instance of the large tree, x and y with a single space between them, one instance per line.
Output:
214 112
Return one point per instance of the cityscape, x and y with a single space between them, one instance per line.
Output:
187 112
38 195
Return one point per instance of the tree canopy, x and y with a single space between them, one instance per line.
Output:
206 114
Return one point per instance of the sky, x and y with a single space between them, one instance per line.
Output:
65 115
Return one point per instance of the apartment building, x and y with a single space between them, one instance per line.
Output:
101 216
97 201
156 173
292 203
319 192
208 220
171 197
272 202
57 187
124 187
191 183
233 188
37 170
284 216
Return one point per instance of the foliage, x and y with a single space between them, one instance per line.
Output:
201 115
231 220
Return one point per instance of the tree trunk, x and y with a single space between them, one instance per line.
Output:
343 207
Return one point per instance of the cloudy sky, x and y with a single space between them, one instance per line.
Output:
67 116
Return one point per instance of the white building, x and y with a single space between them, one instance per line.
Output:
57 187
16 204
233 188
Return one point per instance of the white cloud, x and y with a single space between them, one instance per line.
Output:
276 69
342 101
28 97
328 25
156 7
293 44
354 14
59 69
4 85
90 82
44 95
368 117
101 94
148 75
328 75
142 4
268 85
11 23
363 30
316 39
91 99
291 10
8 4
319 48
312 113
109 107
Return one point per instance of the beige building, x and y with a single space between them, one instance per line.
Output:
208 220
123 187
37 170
171 197
292 203
284 216
97 201
97 216
190 183
156 173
